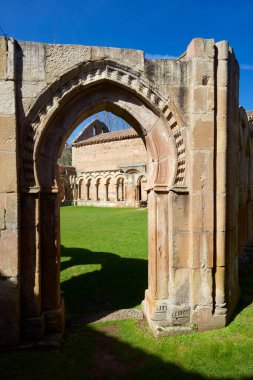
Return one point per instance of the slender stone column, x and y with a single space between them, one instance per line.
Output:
50 262
31 318
221 178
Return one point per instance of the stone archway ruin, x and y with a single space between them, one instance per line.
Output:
185 111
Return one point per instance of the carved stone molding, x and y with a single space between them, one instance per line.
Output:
87 76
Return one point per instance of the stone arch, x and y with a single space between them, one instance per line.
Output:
80 182
140 190
120 187
55 114
101 73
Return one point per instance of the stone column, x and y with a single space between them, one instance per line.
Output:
50 262
131 194
221 177
87 191
32 319
156 297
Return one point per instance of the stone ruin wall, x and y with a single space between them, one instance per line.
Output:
199 220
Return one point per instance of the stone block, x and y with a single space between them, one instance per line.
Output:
179 210
208 250
7 98
33 62
203 73
9 253
30 90
179 289
196 212
8 211
7 134
200 100
180 250
210 105
203 317
62 58
8 172
211 172
199 176
208 211
203 134
200 48
220 285
134 58
3 57
201 286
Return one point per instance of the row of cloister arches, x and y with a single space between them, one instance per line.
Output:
128 189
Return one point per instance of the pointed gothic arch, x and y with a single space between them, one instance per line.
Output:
100 86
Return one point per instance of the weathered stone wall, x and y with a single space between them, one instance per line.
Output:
109 155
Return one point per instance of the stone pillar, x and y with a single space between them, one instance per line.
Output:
116 193
50 262
32 320
87 191
9 225
131 194
105 197
221 177
122 190
155 304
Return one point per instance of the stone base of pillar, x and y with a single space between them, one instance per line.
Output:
55 319
33 329
204 319
165 318
50 322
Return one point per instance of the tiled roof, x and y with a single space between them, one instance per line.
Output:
129 133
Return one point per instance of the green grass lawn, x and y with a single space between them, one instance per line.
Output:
104 267
104 258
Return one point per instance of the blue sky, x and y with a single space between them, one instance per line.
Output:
158 27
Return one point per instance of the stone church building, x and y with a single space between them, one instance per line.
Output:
111 168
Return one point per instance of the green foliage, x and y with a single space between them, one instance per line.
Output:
66 156
103 253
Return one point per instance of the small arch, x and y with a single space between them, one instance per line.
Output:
142 196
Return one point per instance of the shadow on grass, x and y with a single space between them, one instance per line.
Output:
246 286
90 354
110 282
